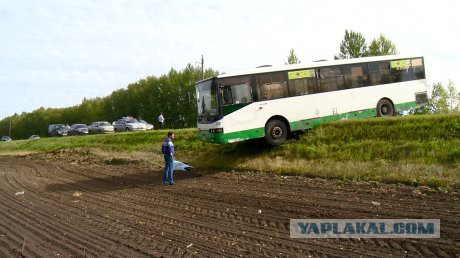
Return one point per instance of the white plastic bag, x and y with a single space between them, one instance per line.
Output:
181 166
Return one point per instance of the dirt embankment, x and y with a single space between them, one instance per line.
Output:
76 208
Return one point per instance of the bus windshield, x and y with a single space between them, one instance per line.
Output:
207 103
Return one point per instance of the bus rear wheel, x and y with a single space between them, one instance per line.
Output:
275 132
385 108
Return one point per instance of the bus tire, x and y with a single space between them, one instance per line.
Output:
275 132
385 108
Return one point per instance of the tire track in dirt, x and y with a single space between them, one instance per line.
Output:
213 214
57 204
48 219
259 243
408 248
97 200
56 220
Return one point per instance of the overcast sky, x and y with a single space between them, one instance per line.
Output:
54 53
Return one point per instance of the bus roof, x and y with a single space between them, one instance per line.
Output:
317 64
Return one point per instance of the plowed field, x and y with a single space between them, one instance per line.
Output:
57 209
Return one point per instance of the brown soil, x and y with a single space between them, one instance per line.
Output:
81 209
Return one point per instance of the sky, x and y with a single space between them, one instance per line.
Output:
54 53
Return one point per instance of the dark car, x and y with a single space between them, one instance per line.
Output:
57 130
78 129
5 138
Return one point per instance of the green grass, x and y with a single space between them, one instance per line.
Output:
416 150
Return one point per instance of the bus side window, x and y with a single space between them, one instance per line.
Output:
419 69
414 70
379 73
331 79
241 93
271 86
355 76
302 82
236 90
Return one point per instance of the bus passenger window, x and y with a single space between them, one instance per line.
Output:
302 82
355 76
379 73
241 93
236 90
419 70
271 86
331 79
408 69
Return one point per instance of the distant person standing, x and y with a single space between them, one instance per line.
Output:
161 120
167 148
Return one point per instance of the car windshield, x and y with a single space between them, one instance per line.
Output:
104 124
80 126
206 102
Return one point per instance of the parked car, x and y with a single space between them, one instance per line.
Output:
129 124
100 127
78 129
147 125
5 138
57 130
34 137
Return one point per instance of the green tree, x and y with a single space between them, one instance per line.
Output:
353 45
381 46
438 103
172 93
292 58
453 98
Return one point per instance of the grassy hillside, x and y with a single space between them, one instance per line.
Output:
414 150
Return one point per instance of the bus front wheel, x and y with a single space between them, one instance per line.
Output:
275 132
385 108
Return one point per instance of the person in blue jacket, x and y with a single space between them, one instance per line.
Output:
167 148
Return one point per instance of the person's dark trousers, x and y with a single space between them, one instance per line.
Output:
161 125
168 175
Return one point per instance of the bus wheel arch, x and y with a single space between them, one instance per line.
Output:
385 107
276 130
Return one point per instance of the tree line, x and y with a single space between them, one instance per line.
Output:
174 95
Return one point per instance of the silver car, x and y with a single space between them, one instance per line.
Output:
100 127
129 124
147 125
5 138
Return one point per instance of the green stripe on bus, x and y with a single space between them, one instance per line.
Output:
311 123
224 138
405 106
232 108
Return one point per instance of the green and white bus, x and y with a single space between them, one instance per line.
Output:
272 102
